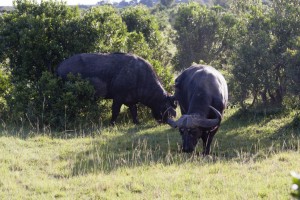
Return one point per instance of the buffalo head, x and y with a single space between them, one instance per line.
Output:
166 110
193 127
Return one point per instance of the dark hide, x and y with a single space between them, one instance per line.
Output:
125 78
202 95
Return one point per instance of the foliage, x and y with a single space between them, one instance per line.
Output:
146 40
203 34
54 103
5 87
296 185
35 38
138 19
66 105
79 103
268 51
167 3
255 43
252 55
46 30
107 26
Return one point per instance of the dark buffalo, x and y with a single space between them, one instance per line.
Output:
202 95
125 78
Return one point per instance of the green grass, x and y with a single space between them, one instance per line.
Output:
252 156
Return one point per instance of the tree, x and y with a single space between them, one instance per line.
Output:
286 48
167 3
146 40
252 60
265 57
138 19
148 3
203 34
106 28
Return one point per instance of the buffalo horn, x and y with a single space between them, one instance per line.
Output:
192 121
172 123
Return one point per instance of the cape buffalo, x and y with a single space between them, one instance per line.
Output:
125 78
202 95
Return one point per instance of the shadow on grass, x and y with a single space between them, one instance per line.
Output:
24 128
257 131
136 146
242 137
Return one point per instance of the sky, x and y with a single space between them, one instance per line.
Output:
69 2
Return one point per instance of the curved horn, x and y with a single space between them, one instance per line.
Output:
218 114
172 123
192 121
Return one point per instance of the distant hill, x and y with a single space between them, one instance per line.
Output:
149 3
6 8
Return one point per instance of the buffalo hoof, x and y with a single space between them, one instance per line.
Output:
136 122
187 150
208 158
112 123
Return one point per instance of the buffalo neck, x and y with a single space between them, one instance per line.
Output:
152 94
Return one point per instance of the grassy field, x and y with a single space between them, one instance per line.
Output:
252 156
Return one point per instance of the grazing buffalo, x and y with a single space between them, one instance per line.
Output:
125 78
202 95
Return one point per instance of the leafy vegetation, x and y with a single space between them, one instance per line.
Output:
255 44
35 38
5 86
204 34
296 185
268 40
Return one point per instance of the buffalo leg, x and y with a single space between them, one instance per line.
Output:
133 112
207 139
116 106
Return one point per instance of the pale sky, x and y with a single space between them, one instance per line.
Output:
69 2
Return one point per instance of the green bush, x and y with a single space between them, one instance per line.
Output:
5 87
35 38
78 103
266 60
296 185
54 103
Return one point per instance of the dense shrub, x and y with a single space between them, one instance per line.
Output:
144 26
265 63
54 103
35 38
5 87
256 42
